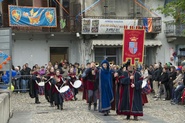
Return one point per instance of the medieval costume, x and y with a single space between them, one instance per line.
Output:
50 86
105 88
71 79
92 86
84 81
55 91
32 83
36 80
145 75
130 101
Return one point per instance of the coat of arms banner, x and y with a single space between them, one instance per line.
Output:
32 16
133 45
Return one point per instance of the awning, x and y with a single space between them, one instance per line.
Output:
148 43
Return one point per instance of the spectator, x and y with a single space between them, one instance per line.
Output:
176 84
156 77
24 81
172 77
162 82
17 79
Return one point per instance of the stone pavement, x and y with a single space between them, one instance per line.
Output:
26 111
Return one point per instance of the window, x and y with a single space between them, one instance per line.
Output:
108 7
25 2
109 53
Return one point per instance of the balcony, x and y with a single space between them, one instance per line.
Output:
156 21
64 24
174 30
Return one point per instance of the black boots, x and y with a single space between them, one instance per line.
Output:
75 98
37 100
128 117
61 106
89 106
135 118
95 106
106 113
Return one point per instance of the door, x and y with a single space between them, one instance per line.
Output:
58 53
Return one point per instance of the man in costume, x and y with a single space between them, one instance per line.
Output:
130 101
84 80
92 85
105 88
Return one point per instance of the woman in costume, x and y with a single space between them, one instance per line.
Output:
49 85
105 88
145 75
57 96
71 79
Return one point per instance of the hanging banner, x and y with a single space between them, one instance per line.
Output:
32 16
133 45
106 26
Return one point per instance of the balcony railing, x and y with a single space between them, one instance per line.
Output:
72 24
173 29
156 21
64 24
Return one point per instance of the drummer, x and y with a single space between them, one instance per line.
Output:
36 80
71 79
55 91
49 97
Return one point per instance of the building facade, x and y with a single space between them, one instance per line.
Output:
38 45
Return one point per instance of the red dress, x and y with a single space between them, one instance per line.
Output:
144 98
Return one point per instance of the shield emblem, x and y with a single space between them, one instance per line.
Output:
133 47
16 15
50 15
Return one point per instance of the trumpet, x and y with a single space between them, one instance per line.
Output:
111 63
97 64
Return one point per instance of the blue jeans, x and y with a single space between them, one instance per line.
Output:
17 84
24 84
177 93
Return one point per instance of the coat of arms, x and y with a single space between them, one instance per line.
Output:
133 45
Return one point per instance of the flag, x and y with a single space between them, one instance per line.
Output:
133 45
147 22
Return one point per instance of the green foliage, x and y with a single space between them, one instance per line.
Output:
175 9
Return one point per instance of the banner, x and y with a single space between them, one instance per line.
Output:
133 45
106 26
29 16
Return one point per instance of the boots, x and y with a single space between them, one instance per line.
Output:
135 118
61 106
37 100
89 106
75 98
95 106
57 106
128 117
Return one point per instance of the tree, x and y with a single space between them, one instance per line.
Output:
175 9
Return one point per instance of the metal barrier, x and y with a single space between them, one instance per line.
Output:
14 83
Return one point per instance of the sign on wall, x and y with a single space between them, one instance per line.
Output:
133 45
32 16
106 26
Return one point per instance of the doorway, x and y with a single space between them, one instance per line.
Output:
58 53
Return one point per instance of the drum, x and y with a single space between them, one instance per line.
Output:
41 88
146 88
77 84
66 93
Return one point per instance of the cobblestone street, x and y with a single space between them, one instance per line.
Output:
26 111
